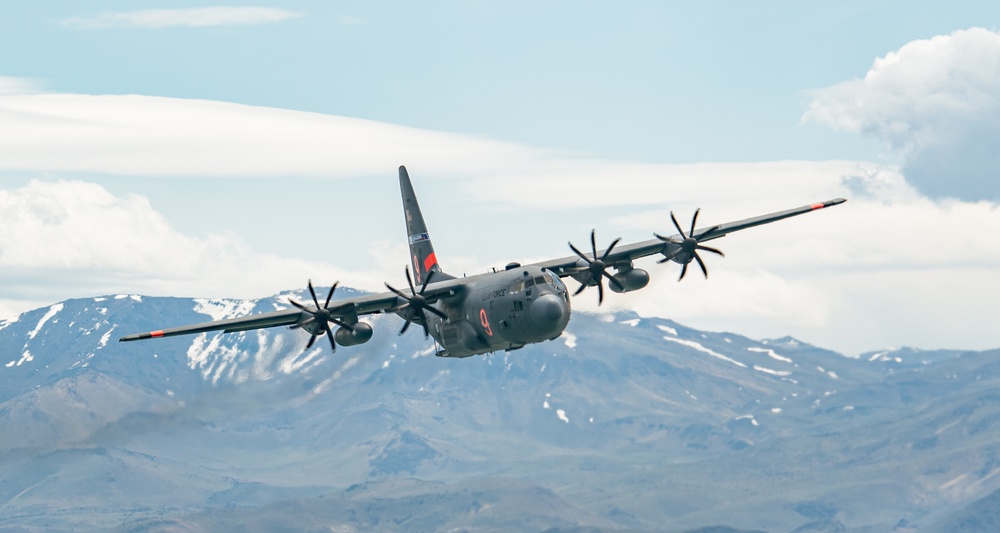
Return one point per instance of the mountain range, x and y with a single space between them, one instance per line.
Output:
624 423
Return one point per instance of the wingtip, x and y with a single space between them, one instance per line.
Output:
140 336
828 203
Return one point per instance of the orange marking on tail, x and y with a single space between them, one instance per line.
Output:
429 262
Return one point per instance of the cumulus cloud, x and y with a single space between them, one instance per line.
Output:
935 103
66 239
189 17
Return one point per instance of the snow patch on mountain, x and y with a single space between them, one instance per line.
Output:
766 370
211 357
299 361
668 329
336 375
700 348
570 339
51 313
220 309
770 353
104 338
26 357
8 321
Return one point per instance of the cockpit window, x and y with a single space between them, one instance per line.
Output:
539 280
529 283
553 279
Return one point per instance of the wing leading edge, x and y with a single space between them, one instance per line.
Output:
671 246
347 310
588 268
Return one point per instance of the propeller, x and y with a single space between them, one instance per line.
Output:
688 247
320 318
596 268
416 302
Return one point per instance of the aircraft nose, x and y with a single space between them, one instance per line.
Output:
547 310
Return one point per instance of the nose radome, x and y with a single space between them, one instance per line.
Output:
547 310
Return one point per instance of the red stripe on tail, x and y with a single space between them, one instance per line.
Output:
429 262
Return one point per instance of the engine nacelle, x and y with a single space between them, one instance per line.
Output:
361 334
630 280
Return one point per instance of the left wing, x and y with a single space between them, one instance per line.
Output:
344 312
681 247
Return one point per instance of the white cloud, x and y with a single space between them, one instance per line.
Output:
10 85
153 136
879 270
936 102
189 17
72 239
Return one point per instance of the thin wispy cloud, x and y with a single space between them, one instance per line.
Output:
188 17
11 85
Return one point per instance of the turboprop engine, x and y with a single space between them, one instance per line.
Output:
360 335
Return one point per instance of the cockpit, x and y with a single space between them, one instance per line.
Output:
524 284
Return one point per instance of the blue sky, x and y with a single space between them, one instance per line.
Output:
226 131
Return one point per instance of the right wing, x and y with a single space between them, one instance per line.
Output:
669 247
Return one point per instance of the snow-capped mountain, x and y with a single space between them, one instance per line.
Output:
623 423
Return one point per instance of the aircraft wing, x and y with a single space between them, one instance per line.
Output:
345 310
671 246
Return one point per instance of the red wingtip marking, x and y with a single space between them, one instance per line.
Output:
429 262
818 206
156 333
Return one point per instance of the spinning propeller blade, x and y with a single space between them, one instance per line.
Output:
596 267
320 316
416 302
687 249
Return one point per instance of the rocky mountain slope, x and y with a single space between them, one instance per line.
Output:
622 424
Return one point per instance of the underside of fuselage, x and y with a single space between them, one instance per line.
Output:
500 311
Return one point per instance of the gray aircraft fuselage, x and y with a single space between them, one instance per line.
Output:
502 310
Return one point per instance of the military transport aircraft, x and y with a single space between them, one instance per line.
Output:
498 310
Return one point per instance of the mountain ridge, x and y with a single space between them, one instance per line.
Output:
623 423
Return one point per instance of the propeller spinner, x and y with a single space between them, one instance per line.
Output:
416 302
320 318
596 268
688 248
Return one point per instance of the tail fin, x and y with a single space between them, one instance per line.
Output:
421 249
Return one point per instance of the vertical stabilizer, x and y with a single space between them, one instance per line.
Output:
422 256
